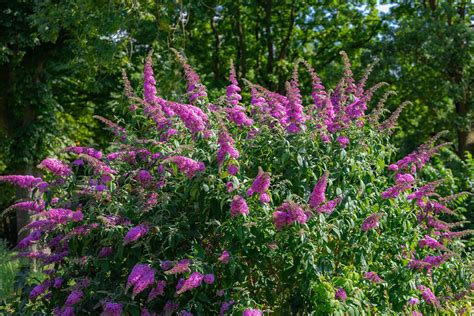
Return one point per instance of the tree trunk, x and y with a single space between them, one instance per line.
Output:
215 57
242 50
268 33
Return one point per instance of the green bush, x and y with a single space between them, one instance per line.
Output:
231 207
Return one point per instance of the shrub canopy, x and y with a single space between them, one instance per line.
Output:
236 206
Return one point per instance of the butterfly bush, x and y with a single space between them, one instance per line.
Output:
245 206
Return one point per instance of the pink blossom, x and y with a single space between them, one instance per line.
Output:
341 294
238 206
135 233
226 147
318 195
157 291
344 141
194 280
371 222
56 166
373 277
225 257
74 297
260 184
252 312
111 309
141 277
84 150
186 165
25 182
428 296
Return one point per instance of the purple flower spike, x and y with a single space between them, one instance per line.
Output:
135 233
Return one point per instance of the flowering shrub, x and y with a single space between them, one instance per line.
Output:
236 207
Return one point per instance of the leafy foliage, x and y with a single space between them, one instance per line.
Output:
306 212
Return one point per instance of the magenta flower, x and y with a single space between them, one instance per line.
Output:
238 206
84 150
371 222
157 291
413 301
261 183
180 267
230 187
166 264
185 313
225 306
373 277
318 196
74 297
233 169
194 280
186 165
33 206
25 182
141 277
403 178
428 296
65 311
111 309
40 289
62 215
289 213
430 242
144 177
149 82
105 252
226 148
58 282
30 239
135 233
280 219
252 312
340 294
329 206
416 313
209 278
56 167
294 107
225 257
265 198
344 141
196 90
236 112
192 117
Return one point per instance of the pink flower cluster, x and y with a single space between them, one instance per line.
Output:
186 165
136 233
317 199
289 213
238 206
260 185
141 277
373 277
25 182
226 147
236 112
193 117
371 222
84 150
56 166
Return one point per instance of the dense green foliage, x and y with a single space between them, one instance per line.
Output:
112 222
